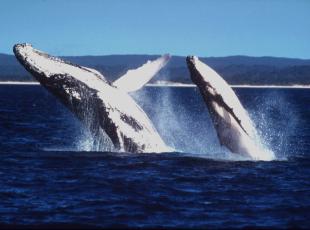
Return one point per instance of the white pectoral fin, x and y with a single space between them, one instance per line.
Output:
135 79
94 71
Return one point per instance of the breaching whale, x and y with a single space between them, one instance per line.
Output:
105 108
233 125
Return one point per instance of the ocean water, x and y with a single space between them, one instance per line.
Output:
51 174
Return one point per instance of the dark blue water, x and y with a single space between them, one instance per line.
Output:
49 178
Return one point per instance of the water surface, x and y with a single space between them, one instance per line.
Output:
50 173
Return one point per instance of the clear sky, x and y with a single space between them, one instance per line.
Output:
180 27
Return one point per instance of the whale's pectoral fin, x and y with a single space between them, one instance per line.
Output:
135 79
96 72
230 110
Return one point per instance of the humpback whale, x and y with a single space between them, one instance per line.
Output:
234 128
105 108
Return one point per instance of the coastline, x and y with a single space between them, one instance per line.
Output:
233 86
177 85
19 83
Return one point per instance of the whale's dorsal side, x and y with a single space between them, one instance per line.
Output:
135 79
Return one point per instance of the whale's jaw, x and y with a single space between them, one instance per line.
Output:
102 107
233 125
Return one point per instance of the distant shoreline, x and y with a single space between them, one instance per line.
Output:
233 86
19 83
177 85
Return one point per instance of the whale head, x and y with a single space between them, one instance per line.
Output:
205 78
45 67
64 79
74 85
191 60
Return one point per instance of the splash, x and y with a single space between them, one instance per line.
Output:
91 137
179 125
185 125
277 122
86 141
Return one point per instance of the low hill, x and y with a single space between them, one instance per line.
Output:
235 69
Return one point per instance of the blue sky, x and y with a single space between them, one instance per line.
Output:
180 27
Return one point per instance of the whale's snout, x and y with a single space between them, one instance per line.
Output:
20 51
33 60
191 62
21 46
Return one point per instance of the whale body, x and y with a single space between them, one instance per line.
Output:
106 109
234 128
